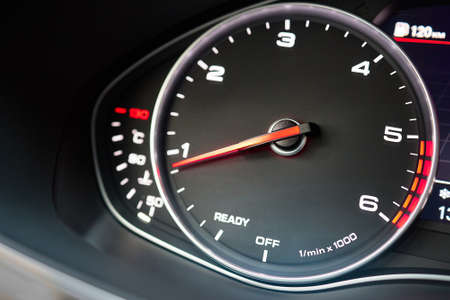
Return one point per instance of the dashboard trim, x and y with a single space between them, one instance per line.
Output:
57 281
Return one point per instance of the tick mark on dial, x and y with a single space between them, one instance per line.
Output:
264 257
378 58
202 64
218 235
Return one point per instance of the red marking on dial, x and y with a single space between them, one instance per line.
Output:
429 151
422 185
413 204
426 168
402 221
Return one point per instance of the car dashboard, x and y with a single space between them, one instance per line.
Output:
226 149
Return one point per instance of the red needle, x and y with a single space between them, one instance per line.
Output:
246 144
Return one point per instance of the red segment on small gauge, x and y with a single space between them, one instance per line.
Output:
120 110
137 113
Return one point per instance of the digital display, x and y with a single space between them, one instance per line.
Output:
424 34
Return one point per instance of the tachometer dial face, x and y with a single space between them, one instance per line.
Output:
293 143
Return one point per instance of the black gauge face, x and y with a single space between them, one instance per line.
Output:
293 143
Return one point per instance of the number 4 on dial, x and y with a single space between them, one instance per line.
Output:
362 68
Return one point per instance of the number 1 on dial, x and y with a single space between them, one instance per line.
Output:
185 148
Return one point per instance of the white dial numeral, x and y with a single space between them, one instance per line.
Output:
362 68
154 201
286 39
392 134
137 159
215 73
368 203
185 148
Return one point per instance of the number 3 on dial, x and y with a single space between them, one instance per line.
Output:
286 39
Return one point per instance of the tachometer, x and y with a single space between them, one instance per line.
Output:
293 143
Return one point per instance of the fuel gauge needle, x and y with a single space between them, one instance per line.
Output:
246 144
